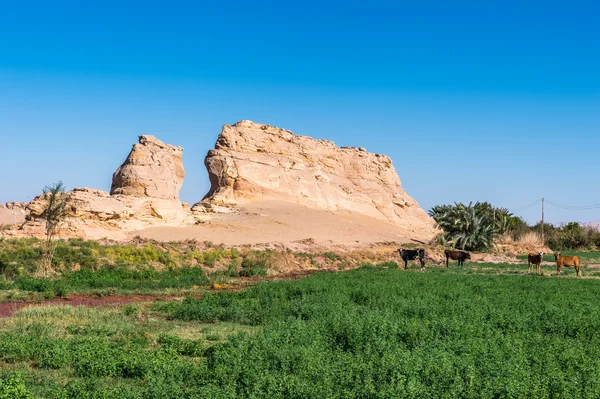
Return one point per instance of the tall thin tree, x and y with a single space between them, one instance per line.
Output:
54 213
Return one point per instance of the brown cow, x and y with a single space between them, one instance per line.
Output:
535 259
567 261
460 256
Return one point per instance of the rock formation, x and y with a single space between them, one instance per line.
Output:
152 169
144 193
253 162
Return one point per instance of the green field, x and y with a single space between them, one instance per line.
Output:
373 332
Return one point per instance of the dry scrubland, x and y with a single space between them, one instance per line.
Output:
485 330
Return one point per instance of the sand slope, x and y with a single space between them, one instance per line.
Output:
289 224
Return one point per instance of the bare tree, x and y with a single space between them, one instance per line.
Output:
54 213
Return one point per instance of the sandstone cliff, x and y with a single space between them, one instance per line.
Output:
254 162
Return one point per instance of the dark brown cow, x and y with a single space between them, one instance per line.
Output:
460 256
535 259
567 261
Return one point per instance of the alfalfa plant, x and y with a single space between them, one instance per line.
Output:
55 212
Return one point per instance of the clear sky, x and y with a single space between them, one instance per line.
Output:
479 100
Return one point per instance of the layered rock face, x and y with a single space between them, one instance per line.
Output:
152 169
144 193
253 162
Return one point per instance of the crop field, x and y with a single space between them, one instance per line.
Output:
482 331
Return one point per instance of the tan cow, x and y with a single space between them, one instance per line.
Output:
535 259
567 261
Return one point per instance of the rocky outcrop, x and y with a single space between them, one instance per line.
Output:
96 214
253 162
144 193
152 169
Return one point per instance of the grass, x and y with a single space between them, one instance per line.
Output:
146 267
109 280
81 266
22 256
484 331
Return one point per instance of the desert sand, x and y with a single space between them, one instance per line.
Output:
290 225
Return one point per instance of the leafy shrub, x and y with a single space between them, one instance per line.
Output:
256 264
474 227
211 257
570 236
13 387
27 283
185 347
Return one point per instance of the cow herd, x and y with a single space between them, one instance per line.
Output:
536 259
533 259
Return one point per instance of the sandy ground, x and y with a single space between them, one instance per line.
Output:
288 224
8 218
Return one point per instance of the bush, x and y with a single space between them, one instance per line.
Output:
570 236
184 347
473 227
256 264
13 387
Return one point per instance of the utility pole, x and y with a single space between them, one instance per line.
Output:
543 242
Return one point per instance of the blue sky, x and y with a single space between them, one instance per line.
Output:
496 101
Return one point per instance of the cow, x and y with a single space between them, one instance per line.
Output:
535 259
412 254
567 261
460 256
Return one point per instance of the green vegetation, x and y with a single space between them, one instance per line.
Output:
55 212
109 280
23 256
13 387
80 266
142 267
483 331
477 227
474 227
571 236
